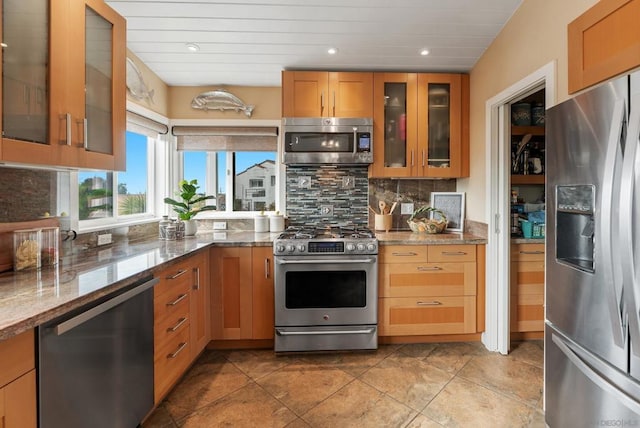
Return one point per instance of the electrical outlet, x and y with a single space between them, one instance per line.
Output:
348 182
219 225
326 210
406 208
304 182
104 239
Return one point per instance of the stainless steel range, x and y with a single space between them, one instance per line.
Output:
326 289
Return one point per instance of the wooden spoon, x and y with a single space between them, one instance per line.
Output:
382 205
393 207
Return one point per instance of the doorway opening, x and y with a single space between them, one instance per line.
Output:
498 181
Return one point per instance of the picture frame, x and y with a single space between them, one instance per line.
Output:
452 205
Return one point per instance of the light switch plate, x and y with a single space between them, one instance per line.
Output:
406 208
348 182
304 182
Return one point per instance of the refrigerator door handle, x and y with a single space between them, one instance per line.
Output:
612 269
590 368
626 232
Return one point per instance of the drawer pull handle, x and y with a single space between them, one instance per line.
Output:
409 254
178 300
454 253
432 303
179 273
180 348
531 252
428 268
177 326
196 272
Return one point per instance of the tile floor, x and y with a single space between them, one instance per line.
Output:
420 385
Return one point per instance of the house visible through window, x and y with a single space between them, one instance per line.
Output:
243 183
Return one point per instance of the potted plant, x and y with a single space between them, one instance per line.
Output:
191 203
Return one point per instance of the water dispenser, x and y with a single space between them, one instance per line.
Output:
575 225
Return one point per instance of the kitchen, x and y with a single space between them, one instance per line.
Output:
514 55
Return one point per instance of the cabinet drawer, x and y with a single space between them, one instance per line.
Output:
401 316
527 253
171 361
527 277
452 253
527 312
403 254
17 355
168 327
175 276
427 279
173 301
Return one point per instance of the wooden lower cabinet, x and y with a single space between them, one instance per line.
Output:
429 290
263 320
242 293
181 324
18 382
527 288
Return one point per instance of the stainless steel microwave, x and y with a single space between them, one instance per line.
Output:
327 140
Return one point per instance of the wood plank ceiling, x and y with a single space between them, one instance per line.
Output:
249 42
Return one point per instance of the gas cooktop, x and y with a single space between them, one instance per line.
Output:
307 240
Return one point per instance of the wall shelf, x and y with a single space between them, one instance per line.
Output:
527 179
524 130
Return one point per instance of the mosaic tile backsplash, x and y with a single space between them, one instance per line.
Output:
327 195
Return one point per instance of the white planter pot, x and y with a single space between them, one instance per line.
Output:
190 227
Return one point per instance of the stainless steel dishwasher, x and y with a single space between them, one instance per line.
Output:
95 365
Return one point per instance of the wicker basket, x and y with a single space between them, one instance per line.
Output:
421 223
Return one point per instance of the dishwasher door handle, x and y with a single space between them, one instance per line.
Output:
71 323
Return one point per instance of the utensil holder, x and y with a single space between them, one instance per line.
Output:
261 223
383 222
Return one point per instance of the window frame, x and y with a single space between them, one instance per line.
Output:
280 168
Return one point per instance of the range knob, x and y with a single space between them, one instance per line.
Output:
351 247
280 248
371 247
301 248
291 248
360 247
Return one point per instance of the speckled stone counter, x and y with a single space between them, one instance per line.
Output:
527 240
31 298
411 238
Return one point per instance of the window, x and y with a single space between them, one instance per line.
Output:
105 196
243 183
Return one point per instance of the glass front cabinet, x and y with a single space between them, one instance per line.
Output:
421 125
63 84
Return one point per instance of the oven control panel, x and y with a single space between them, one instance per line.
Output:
363 246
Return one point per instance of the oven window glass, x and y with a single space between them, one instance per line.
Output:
326 289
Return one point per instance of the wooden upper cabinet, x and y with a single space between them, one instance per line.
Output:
327 94
603 42
421 125
64 96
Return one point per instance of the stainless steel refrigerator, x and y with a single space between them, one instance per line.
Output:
592 330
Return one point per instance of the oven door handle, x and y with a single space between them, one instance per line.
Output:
322 332
323 261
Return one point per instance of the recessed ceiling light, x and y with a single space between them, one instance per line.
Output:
332 51
424 52
192 47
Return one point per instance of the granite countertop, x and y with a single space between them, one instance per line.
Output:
412 238
31 298
527 240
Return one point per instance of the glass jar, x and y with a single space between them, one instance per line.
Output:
49 252
162 227
180 229
26 249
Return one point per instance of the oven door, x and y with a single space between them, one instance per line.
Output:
326 290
